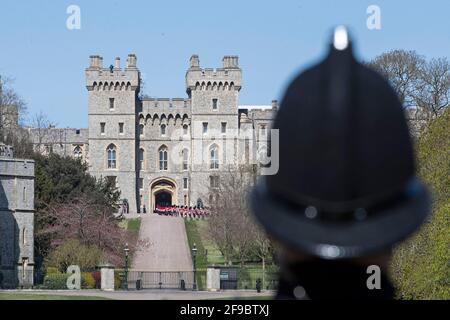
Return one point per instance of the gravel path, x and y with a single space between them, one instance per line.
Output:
167 248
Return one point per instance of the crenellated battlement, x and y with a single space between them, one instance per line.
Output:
207 79
112 78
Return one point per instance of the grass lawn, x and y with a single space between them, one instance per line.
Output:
134 225
209 254
29 296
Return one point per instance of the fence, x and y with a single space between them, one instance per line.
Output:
246 278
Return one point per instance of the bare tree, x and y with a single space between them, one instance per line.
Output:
403 70
12 109
434 87
232 226
42 130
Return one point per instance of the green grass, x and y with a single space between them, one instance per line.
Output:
134 225
197 233
207 253
29 296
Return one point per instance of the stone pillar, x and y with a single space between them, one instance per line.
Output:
107 277
213 278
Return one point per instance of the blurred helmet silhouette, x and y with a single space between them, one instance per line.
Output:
346 185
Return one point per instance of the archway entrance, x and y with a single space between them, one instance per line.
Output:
163 199
163 193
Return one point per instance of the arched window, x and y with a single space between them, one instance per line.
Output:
185 159
163 129
163 158
141 129
185 129
77 153
141 159
111 154
214 157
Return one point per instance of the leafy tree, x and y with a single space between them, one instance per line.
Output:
421 265
59 180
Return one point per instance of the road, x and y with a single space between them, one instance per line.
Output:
167 246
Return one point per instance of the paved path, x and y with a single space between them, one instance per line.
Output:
167 248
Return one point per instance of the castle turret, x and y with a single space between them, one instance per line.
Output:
117 63
131 61
194 62
274 105
113 100
230 62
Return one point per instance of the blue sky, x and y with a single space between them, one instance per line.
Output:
274 40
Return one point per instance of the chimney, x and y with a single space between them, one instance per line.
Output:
194 61
131 61
230 62
117 63
275 105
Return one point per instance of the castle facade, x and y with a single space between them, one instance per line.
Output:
166 151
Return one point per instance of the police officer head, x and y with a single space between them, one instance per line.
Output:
346 186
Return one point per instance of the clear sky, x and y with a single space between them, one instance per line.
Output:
274 40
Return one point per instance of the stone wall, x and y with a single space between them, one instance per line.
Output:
16 222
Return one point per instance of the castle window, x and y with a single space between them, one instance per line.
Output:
214 104
111 103
24 236
24 195
205 127
185 200
185 129
214 157
141 183
141 159
185 159
263 130
214 182
163 129
102 127
185 183
120 127
77 131
163 160
224 127
77 153
141 129
111 153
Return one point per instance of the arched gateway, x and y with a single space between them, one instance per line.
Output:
163 193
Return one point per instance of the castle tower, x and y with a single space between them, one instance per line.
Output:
214 95
113 100
16 220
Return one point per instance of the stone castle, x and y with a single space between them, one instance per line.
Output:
163 150
167 150
16 220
